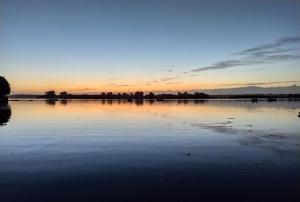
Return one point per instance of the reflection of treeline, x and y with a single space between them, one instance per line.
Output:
137 102
139 95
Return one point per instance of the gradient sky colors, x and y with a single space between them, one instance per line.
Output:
94 46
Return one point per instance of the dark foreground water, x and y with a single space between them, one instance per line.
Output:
161 151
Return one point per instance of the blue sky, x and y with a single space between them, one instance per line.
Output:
154 45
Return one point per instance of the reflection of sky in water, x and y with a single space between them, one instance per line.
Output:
208 141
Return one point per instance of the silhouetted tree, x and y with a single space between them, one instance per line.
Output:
185 95
139 95
50 94
4 87
63 95
109 95
151 95
131 96
125 96
200 95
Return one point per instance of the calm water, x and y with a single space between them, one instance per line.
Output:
161 151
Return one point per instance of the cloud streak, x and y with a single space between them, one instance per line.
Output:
117 85
279 50
171 83
276 44
261 83
125 85
83 89
223 65
169 78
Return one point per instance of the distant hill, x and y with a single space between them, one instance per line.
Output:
252 90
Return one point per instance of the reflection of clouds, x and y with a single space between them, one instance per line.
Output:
5 114
277 143
261 83
282 144
280 50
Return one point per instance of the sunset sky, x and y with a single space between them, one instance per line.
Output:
94 46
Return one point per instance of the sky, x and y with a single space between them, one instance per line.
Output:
91 46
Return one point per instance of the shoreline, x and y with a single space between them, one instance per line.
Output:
155 100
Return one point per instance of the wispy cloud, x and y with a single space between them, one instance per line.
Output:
283 49
125 85
117 85
168 66
261 83
223 65
109 84
176 82
82 89
279 50
111 79
169 78
283 57
276 44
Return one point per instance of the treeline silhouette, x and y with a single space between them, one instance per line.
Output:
139 95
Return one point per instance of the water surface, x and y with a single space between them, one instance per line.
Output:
149 151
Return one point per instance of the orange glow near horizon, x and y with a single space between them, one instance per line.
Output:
92 88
